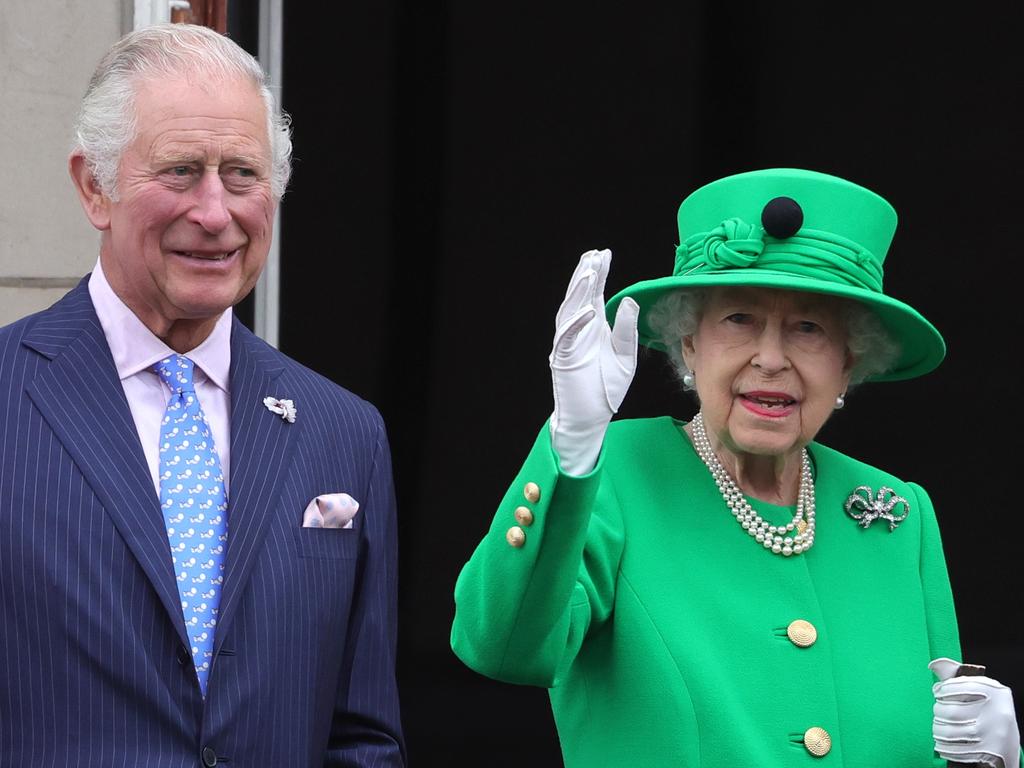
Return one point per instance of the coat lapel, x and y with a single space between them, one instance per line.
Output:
261 448
80 395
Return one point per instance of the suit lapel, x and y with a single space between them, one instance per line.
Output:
261 449
80 395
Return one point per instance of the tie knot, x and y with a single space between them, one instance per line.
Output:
176 373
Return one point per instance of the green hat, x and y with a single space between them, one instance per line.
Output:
798 230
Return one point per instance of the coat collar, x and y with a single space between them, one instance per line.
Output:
80 395
262 444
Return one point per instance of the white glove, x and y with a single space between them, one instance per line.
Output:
975 721
591 364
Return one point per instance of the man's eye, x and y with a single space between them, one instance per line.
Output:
180 170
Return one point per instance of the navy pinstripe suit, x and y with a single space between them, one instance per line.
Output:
94 669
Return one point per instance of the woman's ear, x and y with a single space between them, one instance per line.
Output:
848 365
95 204
688 350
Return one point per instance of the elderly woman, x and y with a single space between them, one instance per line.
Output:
728 591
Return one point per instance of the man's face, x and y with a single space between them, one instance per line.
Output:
189 233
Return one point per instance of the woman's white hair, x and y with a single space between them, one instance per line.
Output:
106 122
677 314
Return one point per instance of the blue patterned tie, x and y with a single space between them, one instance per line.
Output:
195 508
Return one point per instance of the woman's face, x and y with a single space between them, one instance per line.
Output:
768 365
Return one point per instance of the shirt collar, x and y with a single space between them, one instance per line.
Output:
136 349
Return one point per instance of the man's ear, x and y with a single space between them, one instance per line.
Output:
95 204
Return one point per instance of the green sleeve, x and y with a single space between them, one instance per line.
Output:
521 613
940 612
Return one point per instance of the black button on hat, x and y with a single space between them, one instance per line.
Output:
782 217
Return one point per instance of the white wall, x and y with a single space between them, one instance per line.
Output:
48 49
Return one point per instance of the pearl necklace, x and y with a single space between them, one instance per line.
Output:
780 539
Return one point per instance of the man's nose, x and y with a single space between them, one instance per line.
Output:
210 210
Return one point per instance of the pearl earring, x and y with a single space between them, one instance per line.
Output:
840 401
688 380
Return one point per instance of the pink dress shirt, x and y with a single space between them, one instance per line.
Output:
136 349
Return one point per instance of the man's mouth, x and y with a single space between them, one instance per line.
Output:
206 256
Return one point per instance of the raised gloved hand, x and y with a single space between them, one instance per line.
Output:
974 721
592 364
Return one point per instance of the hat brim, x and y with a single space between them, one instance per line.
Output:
921 345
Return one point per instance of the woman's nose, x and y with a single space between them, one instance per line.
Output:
770 352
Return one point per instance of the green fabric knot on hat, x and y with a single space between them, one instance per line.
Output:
733 243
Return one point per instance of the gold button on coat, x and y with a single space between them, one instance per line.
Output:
802 633
524 516
817 741
515 536
532 492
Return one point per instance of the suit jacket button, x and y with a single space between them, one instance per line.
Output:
209 757
817 741
532 492
515 536
524 516
182 656
802 633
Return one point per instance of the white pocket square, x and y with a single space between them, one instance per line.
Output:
330 510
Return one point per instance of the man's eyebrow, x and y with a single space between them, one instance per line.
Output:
176 158
172 157
242 159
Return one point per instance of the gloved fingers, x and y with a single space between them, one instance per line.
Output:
957 714
957 700
955 730
973 756
944 668
967 688
579 291
624 332
585 284
602 261
568 338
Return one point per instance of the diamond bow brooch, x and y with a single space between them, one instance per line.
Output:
283 408
881 506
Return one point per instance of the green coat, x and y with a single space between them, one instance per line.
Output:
660 626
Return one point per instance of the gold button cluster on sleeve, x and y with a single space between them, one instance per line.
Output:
817 741
532 492
515 536
802 633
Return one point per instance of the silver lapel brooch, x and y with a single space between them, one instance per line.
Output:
865 510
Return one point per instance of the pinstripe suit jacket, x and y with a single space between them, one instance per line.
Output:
94 669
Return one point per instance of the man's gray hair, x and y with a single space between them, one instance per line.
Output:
677 314
106 122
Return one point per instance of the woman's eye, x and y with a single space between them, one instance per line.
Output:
740 318
808 326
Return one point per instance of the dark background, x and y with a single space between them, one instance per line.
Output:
454 158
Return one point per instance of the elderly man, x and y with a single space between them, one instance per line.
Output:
197 534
